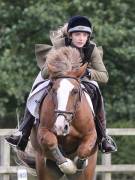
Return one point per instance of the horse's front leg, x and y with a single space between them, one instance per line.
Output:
86 149
48 141
40 166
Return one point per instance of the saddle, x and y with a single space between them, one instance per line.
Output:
94 93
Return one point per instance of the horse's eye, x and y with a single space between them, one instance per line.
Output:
74 91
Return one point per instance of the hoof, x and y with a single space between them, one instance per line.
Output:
81 164
68 167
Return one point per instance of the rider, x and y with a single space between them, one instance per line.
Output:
76 34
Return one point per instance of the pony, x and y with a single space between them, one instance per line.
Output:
65 139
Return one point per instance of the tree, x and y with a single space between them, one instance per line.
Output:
25 23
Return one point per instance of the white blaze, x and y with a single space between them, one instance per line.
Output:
62 98
63 93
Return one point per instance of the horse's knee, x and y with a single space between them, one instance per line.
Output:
47 138
83 152
88 147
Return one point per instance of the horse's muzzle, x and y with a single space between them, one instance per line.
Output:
61 126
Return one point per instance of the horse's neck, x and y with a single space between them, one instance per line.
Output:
47 111
84 119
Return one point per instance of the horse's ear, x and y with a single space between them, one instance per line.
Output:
80 72
52 69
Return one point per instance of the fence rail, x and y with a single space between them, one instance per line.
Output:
106 167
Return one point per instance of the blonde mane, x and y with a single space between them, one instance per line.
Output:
64 59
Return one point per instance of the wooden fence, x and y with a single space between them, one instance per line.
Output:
106 168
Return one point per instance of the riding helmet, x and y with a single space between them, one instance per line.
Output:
79 23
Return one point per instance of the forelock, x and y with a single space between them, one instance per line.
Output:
64 59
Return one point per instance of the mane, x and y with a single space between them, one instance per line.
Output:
64 59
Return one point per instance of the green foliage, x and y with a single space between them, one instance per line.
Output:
25 23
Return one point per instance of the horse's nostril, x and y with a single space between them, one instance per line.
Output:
66 127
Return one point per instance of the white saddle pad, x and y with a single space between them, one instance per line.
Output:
35 97
89 100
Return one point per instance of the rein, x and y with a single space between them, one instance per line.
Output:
67 77
67 114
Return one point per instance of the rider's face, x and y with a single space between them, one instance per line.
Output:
79 38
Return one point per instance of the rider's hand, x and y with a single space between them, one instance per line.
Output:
87 73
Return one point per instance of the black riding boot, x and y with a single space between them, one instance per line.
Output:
21 141
106 143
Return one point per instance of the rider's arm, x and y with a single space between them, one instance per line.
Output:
97 68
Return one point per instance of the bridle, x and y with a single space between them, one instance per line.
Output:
69 115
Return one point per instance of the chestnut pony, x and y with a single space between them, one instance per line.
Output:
65 140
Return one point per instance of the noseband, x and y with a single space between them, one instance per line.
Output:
69 115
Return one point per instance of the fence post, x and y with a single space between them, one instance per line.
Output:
106 160
22 174
5 157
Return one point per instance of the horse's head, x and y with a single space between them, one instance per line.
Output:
66 91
